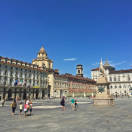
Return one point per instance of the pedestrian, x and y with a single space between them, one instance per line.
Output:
128 95
25 107
30 107
63 103
13 105
73 103
76 105
21 107
3 102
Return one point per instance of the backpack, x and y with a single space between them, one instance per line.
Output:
14 104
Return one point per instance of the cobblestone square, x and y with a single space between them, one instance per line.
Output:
87 118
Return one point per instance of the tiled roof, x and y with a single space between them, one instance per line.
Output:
76 78
96 69
27 65
121 71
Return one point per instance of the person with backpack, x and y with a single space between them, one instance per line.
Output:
76 105
13 106
73 103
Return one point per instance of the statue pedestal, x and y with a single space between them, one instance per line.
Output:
103 100
103 96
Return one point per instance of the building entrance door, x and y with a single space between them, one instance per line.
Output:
49 88
61 93
43 94
9 94
37 93
24 94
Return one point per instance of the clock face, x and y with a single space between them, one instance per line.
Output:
101 89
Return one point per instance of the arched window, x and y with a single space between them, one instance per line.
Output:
79 71
128 78
110 79
120 86
119 78
115 79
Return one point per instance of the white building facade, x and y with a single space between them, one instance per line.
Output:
120 80
21 79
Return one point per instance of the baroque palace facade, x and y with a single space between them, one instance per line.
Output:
120 80
39 80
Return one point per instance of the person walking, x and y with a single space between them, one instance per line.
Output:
73 103
30 107
76 105
21 107
13 105
63 103
25 107
3 102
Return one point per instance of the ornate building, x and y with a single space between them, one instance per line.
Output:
39 80
70 85
42 60
22 79
120 80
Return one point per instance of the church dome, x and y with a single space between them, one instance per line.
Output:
42 50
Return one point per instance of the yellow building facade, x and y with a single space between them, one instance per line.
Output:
43 61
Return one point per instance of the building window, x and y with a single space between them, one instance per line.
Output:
124 86
25 75
120 86
115 79
78 71
49 66
119 78
6 72
128 78
110 79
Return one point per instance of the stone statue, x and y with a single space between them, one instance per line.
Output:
103 96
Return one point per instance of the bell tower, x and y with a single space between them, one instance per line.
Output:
79 70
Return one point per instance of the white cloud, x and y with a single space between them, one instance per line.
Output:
70 59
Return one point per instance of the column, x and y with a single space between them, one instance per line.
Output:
84 94
73 95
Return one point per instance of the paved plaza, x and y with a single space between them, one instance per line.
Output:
48 117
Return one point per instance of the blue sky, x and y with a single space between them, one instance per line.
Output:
72 32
